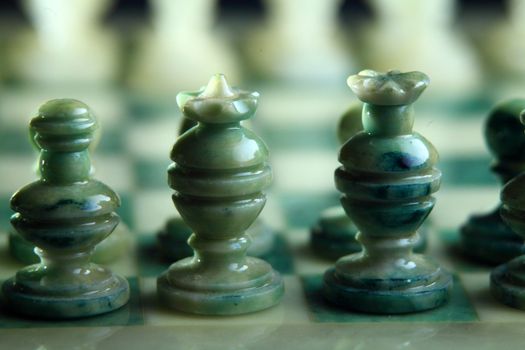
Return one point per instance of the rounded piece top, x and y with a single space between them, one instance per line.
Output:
392 88
504 133
63 124
218 103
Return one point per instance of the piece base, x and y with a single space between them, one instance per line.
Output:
221 303
387 301
504 290
64 307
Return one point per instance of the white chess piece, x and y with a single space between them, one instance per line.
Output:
300 42
505 45
183 48
419 35
68 44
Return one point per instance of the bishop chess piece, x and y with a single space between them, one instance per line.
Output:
109 250
507 281
279 49
486 237
387 179
183 32
65 214
173 238
219 195
426 27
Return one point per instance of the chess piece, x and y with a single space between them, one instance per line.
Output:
219 195
507 281
279 50
109 250
65 214
182 39
333 236
174 235
68 46
486 237
387 178
504 44
405 27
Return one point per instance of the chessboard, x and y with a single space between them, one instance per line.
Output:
298 123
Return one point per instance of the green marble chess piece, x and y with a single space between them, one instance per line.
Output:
486 237
65 214
387 179
173 237
507 281
333 236
107 251
219 172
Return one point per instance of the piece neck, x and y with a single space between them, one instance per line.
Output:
64 167
388 120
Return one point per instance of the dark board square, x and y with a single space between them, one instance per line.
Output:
458 309
130 314
303 209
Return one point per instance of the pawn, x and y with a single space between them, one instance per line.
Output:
486 237
65 214
279 50
219 194
387 179
173 237
108 251
507 281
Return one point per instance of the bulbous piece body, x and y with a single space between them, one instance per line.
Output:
507 281
65 214
387 179
219 172
487 237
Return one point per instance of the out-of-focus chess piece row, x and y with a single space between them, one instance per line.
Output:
298 41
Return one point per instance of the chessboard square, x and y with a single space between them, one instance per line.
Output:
111 141
16 141
152 139
151 173
304 138
125 211
17 171
113 170
291 310
151 209
488 308
130 314
453 256
458 308
5 212
467 171
303 209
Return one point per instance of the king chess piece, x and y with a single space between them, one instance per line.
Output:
173 237
387 178
333 236
65 214
219 195
507 281
486 237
